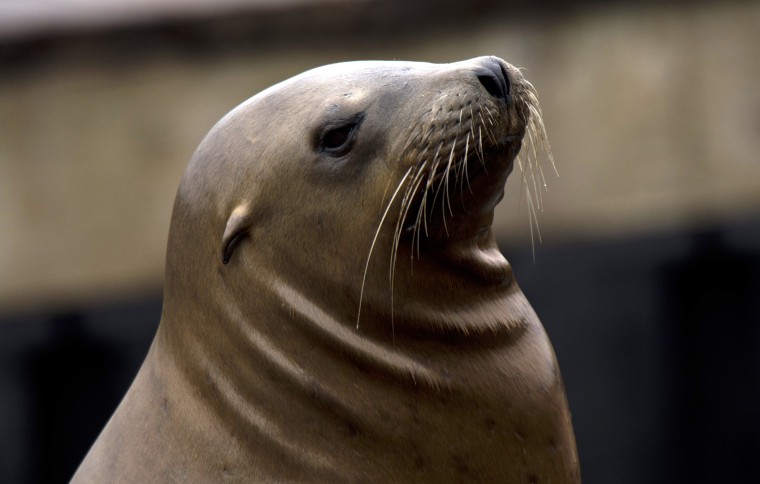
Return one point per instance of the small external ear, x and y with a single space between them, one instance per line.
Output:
238 225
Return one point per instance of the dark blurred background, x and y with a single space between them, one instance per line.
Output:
647 280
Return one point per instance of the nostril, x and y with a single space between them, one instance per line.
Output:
494 79
492 85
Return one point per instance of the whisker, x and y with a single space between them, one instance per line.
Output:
466 151
480 139
405 206
537 149
374 240
447 174
408 197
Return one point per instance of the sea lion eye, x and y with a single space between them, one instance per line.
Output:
338 139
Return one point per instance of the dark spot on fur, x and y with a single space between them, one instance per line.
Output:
459 462
353 430
490 426
553 444
532 479
165 406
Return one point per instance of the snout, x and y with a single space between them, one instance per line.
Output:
492 75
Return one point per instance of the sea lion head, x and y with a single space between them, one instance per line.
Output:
371 186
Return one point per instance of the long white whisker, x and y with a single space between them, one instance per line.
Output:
374 240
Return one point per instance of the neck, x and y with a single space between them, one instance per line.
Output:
462 295
287 370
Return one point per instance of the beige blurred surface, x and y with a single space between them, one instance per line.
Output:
653 115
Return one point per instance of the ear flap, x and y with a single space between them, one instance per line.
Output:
238 225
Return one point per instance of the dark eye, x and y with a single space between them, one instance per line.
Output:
336 138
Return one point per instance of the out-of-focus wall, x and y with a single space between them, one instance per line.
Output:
647 281
653 114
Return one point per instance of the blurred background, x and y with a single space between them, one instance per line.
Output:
647 279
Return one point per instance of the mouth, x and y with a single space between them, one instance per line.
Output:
463 196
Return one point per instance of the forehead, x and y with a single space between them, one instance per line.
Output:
362 69
353 75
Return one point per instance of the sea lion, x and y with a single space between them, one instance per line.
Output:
336 308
